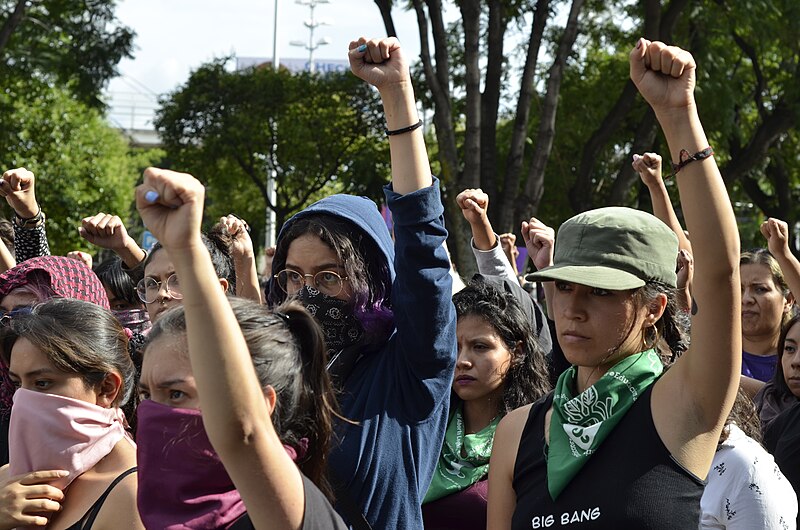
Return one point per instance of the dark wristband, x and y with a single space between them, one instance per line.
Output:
404 129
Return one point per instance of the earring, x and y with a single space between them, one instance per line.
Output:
656 338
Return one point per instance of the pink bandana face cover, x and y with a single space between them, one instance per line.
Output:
47 431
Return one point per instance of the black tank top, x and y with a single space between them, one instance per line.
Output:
87 521
631 481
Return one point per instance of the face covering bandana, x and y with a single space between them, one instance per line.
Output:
338 322
182 482
579 424
464 459
136 320
54 432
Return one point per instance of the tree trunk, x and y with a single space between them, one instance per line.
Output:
503 214
490 99
438 78
656 27
385 7
627 177
534 187
12 22
471 20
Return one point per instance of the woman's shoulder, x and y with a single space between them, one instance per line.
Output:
119 510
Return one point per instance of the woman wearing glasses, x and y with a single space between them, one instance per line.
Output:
160 289
385 310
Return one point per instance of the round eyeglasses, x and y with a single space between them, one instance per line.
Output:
148 288
326 282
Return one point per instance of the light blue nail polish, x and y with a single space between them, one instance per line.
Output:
151 196
362 48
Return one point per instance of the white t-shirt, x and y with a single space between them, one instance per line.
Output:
746 490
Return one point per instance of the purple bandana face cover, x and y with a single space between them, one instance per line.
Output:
182 482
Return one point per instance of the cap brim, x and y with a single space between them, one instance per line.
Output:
594 276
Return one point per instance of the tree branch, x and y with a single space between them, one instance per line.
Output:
12 22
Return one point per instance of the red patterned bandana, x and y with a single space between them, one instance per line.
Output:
69 278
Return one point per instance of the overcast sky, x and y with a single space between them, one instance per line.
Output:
176 36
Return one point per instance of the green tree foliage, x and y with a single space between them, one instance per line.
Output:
320 134
748 57
82 165
74 42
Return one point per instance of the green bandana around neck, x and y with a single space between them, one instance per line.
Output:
579 424
455 472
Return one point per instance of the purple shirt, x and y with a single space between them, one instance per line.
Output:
761 367
465 510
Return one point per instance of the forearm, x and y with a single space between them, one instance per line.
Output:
411 170
662 208
791 271
704 198
493 262
247 285
131 254
235 413
30 243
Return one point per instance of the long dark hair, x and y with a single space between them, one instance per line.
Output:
672 327
527 378
288 351
781 389
364 264
118 281
78 337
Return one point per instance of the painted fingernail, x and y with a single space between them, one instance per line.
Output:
362 48
151 196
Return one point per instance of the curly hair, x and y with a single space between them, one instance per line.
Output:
527 377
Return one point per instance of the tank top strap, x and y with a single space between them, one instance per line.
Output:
87 521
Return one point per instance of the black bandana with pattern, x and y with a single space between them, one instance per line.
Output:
341 327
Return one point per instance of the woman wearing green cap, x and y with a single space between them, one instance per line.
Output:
618 444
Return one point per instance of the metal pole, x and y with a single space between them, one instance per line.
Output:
311 26
269 225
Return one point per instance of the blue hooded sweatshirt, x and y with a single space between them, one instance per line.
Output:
399 393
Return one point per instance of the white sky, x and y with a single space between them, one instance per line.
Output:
176 36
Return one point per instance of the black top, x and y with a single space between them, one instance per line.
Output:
782 439
630 482
87 521
319 515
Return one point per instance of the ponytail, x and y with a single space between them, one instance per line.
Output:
317 395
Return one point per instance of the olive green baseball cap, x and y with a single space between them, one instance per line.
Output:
613 248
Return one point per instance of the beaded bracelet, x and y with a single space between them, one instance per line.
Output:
404 129
686 159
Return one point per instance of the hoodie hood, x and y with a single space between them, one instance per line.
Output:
360 211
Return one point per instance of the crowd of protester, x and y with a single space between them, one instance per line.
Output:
644 376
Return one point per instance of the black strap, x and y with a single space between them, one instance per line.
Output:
242 523
95 509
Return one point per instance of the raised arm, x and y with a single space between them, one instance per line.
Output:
649 168
693 398
18 186
108 231
236 412
489 256
382 64
244 258
777 234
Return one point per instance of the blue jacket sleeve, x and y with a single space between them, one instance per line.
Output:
425 340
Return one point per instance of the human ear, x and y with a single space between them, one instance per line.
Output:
271 398
655 309
224 284
108 389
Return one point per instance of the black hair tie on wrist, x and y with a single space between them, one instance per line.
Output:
404 129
